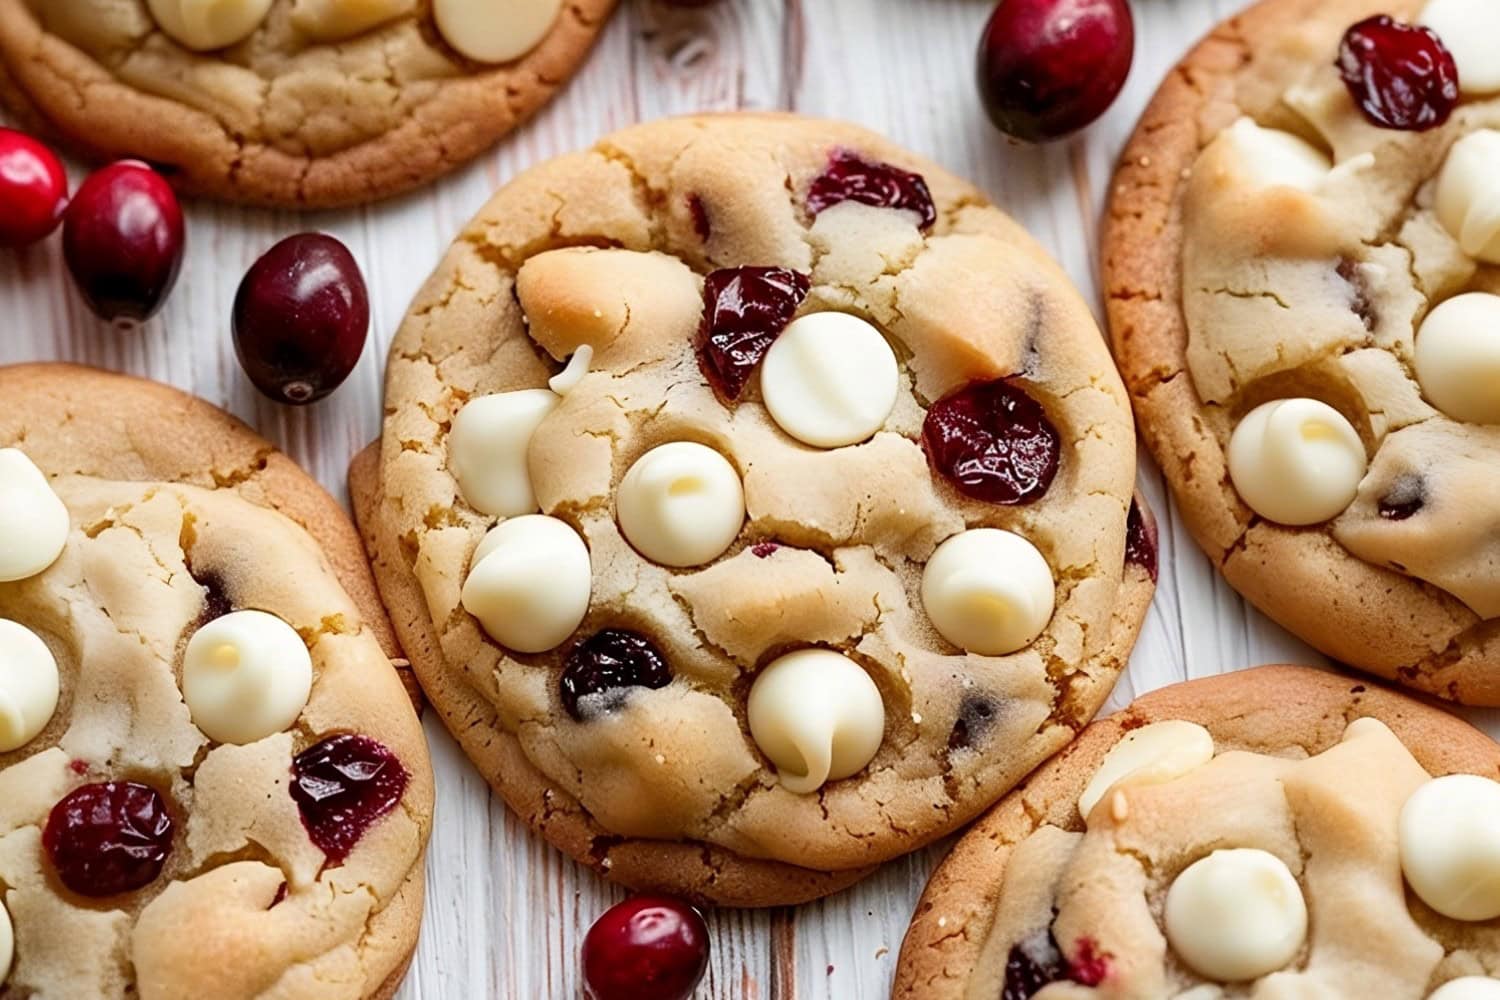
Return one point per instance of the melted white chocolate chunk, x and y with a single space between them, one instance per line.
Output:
1269 157
245 676
1468 988
1296 461
817 715
1236 915
1153 753
1468 193
529 583
494 31
1450 846
988 591
1458 357
29 685
1470 29
681 504
33 521
830 379
7 942
487 450
335 20
204 25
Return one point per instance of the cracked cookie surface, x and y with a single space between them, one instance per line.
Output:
1033 901
169 533
322 103
1266 242
661 782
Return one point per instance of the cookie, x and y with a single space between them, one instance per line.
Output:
213 780
1223 816
1302 303
752 503
295 103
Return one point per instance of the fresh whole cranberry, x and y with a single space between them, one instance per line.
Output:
1140 539
342 786
744 310
123 240
1401 75
33 189
993 442
300 318
851 177
646 948
607 663
1049 67
109 838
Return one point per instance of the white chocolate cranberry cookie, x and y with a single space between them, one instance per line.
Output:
753 503
1302 260
212 781
298 103
1277 833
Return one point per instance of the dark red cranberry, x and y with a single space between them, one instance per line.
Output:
342 786
109 838
1140 539
33 189
123 239
1047 68
1089 966
1034 962
646 948
993 442
701 225
851 177
300 318
1405 498
78 766
764 550
744 310
1400 75
607 664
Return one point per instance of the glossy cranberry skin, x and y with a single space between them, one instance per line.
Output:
610 661
851 177
33 189
744 311
123 239
1400 75
993 442
646 948
1047 68
1140 539
109 838
301 317
342 786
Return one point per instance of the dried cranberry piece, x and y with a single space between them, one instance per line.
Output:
109 838
1400 75
607 663
1405 498
1091 966
993 442
745 309
851 177
1140 539
342 786
764 550
1033 963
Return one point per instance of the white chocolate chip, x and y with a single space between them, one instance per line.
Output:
1272 158
681 504
494 31
529 583
567 380
1458 357
245 676
1161 751
335 20
988 591
1236 915
830 380
487 450
817 715
1296 461
28 685
1468 988
1450 846
7 942
204 25
1470 29
33 521
1468 194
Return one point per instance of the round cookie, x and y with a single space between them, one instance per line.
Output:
596 335
179 592
1294 786
1267 244
295 103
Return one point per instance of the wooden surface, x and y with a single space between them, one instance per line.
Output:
506 913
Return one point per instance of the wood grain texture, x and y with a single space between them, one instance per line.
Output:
506 913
